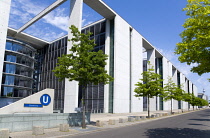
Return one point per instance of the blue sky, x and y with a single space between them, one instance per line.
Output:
159 21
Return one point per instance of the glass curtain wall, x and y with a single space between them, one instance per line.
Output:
18 69
47 59
144 98
94 94
159 66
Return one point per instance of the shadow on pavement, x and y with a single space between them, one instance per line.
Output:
177 133
200 119
197 124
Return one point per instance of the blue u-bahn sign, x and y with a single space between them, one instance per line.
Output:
45 100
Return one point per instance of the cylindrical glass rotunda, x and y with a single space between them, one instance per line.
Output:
17 79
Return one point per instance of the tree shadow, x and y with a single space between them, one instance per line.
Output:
197 124
200 119
203 115
177 133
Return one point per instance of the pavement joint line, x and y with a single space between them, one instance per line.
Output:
124 125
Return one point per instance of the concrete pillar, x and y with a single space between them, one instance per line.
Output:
174 76
151 59
107 51
4 20
166 70
71 88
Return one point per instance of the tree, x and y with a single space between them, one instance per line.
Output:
195 47
149 86
202 102
187 98
172 91
180 93
83 64
194 101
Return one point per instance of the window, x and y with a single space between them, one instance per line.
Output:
10 58
10 68
8 46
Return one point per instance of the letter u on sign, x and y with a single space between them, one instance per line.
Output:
45 99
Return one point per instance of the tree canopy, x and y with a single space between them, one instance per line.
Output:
149 86
172 91
195 47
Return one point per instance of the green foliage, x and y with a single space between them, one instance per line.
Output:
150 85
186 97
194 101
194 47
172 91
83 64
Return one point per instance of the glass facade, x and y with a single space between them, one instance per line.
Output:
179 83
94 95
17 78
27 70
111 68
47 59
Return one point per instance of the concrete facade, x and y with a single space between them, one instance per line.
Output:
71 88
4 16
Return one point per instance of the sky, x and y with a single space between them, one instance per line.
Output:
159 21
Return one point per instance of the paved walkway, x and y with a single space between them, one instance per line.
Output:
55 133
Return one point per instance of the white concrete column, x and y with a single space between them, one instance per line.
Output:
71 88
151 58
174 75
107 51
136 70
166 70
4 20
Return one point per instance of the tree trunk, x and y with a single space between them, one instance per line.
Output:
171 106
182 107
148 108
83 106
193 107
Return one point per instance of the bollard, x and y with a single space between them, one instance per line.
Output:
112 122
38 130
64 127
4 133
143 117
99 123
158 115
152 116
122 120
137 118
131 119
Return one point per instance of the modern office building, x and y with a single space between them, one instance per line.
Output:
26 63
